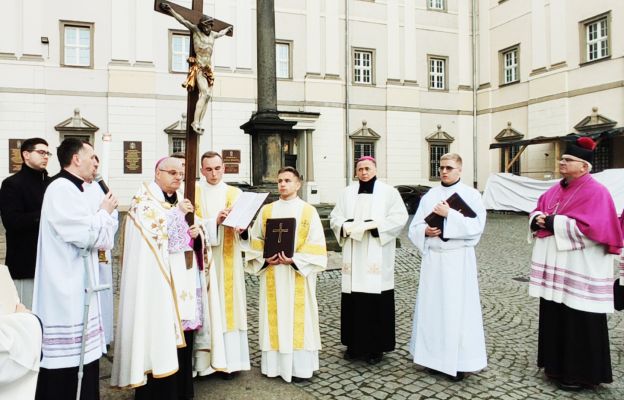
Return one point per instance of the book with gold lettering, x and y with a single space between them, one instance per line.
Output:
279 236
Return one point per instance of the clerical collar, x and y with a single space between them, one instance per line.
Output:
72 178
450 184
367 187
173 199
39 174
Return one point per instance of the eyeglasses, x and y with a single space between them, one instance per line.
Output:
42 153
446 168
173 173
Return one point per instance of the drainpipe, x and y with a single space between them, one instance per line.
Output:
474 93
346 104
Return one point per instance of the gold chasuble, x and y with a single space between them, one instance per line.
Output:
288 308
229 351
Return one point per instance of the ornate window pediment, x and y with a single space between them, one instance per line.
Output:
508 134
177 135
440 137
365 134
77 127
594 122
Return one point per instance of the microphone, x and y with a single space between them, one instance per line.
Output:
100 181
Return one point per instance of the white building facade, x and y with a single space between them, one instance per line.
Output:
394 79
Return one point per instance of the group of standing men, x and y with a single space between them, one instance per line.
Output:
182 308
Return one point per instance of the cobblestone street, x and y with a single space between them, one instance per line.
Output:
510 318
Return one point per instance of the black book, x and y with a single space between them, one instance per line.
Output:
456 203
279 236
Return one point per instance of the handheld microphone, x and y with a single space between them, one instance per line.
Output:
103 186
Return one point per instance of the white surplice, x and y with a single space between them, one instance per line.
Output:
149 326
447 333
68 225
20 349
231 304
288 318
368 262
96 195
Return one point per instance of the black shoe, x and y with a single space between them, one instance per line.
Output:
347 355
228 376
457 378
374 358
570 386
297 379
431 371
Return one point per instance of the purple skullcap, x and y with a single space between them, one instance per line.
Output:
159 161
367 158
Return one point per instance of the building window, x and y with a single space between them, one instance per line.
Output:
179 44
437 73
602 156
595 38
77 44
177 144
435 152
511 65
513 151
363 66
439 5
283 60
361 149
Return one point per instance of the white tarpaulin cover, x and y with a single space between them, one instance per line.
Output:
511 192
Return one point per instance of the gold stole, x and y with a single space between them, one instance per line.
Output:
299 311
228 256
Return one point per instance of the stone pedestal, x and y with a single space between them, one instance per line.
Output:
266 129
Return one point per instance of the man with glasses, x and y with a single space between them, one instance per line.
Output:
21 197
577 238
162 297
447 332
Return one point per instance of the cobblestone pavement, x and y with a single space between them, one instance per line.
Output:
510 319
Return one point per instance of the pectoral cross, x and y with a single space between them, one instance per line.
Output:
279 231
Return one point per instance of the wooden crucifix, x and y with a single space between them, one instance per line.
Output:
204 30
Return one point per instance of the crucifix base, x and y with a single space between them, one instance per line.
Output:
267 130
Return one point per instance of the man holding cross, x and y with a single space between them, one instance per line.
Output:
200 67
289 327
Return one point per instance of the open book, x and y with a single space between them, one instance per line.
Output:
244 209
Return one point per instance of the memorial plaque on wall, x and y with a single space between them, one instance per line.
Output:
132 157
231 168
15 158
231 156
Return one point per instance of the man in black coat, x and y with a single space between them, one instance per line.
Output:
21 196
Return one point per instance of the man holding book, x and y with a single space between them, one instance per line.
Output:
213 202
287 250
447 333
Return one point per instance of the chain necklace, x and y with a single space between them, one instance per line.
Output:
555 207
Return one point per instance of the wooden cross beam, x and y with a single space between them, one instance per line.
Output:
192 143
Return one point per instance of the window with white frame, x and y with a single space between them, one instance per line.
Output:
361 149
179 45
77 47
510 65
436 4
363 67
435 152
597 39
177 144
437 73
282 60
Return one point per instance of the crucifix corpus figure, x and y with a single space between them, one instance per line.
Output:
200 67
